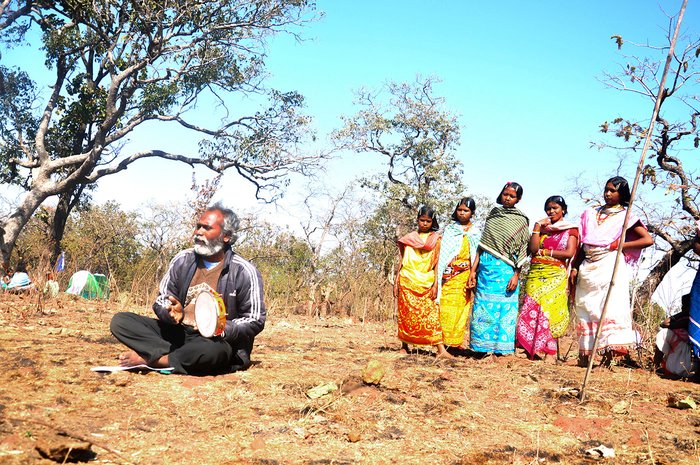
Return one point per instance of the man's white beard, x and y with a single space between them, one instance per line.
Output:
206 248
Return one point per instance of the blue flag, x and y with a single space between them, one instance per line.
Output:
61 263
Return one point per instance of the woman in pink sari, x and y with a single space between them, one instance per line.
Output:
601 229
544 315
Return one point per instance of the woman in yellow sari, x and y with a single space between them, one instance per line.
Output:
416 286
457 250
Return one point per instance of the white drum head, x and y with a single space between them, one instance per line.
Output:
205 313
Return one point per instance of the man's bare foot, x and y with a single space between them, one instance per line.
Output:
130 359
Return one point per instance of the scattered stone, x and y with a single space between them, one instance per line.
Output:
321 390
395 399
121 379
351 384
601 452
258 443
354 436
65 450
687 403
620 408
681 404
373 372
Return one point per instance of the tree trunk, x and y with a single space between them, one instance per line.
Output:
12 226
67 201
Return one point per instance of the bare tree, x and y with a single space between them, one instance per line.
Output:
318 226
670 204
407 124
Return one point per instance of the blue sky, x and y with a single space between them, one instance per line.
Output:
523 77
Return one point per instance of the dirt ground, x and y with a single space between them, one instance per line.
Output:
424 411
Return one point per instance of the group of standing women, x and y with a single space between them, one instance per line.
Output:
444 279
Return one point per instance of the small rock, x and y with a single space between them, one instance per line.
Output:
350 385
681 404
373 372
601 451
257 444
63 451
321 390
620 407
354 436
686 403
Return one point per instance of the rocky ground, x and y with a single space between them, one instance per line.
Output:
423 410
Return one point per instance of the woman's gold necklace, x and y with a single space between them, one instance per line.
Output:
604 213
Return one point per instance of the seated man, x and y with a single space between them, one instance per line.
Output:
172 340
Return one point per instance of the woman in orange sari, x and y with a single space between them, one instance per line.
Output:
416 285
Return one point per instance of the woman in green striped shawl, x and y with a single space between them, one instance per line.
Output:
502 252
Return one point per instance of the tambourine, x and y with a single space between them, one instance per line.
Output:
210 313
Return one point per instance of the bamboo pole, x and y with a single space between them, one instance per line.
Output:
640 166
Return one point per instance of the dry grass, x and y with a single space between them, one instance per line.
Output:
425 411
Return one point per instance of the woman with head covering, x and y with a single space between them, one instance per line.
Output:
496 270
416 286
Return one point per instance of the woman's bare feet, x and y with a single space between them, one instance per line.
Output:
607 360
442 352
130 359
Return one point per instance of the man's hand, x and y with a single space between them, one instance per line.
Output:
175 310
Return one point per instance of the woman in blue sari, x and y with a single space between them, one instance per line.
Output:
502 252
